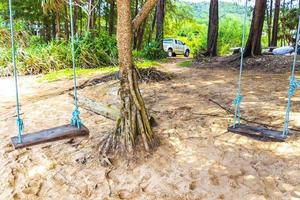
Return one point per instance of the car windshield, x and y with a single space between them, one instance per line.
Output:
168 41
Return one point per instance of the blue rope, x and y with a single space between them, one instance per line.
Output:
238 100
75 121
19 121
293 86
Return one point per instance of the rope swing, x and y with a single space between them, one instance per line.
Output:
74 129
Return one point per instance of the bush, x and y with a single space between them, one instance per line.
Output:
97 51
44 58
34 56
137 55
153 51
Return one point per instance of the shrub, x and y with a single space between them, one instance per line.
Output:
153 51
137 55
34 56
97 51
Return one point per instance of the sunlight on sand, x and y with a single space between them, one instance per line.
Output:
41 169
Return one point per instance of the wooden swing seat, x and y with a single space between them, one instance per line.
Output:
257 132
50 135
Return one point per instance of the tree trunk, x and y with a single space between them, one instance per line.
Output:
253 46
75 16
66 23
213 28
94 17
136 10
160 15
152 26
47 30
111 17
57 25
53 17
90 19
275 24
269 21
80 21
133 122
141 36
99 18
106 17
283 23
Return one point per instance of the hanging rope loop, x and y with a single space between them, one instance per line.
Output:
238 99
19 121
294 84
20 125
75 121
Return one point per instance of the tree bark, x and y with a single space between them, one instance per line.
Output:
90 17
136 11
99 18
160 20
133 122
53 18
269 21
213 28
75 16
141 36
80 18
66 23
275 24
47 30
111 17
283 23
253 46
144 12
152 26
57 25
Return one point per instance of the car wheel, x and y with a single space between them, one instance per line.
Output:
170 53
187 53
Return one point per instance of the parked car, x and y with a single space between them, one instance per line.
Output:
175 47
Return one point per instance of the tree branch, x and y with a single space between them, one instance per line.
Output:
142 15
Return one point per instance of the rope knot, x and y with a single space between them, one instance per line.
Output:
293 86
75 121
20 124
238 100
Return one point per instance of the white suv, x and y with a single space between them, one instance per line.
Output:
174 47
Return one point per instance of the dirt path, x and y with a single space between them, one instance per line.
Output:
198 158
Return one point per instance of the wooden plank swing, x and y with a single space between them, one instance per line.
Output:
260 131
50 135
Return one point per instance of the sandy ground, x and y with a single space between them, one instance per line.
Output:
197 159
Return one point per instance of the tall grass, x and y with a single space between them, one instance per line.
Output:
34 56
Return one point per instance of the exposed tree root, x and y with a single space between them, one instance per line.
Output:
133 127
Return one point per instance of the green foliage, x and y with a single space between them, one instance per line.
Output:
225 9
288 25
137 55
230 34
96 51
44 58
188 22
181 23
35 56
153 51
